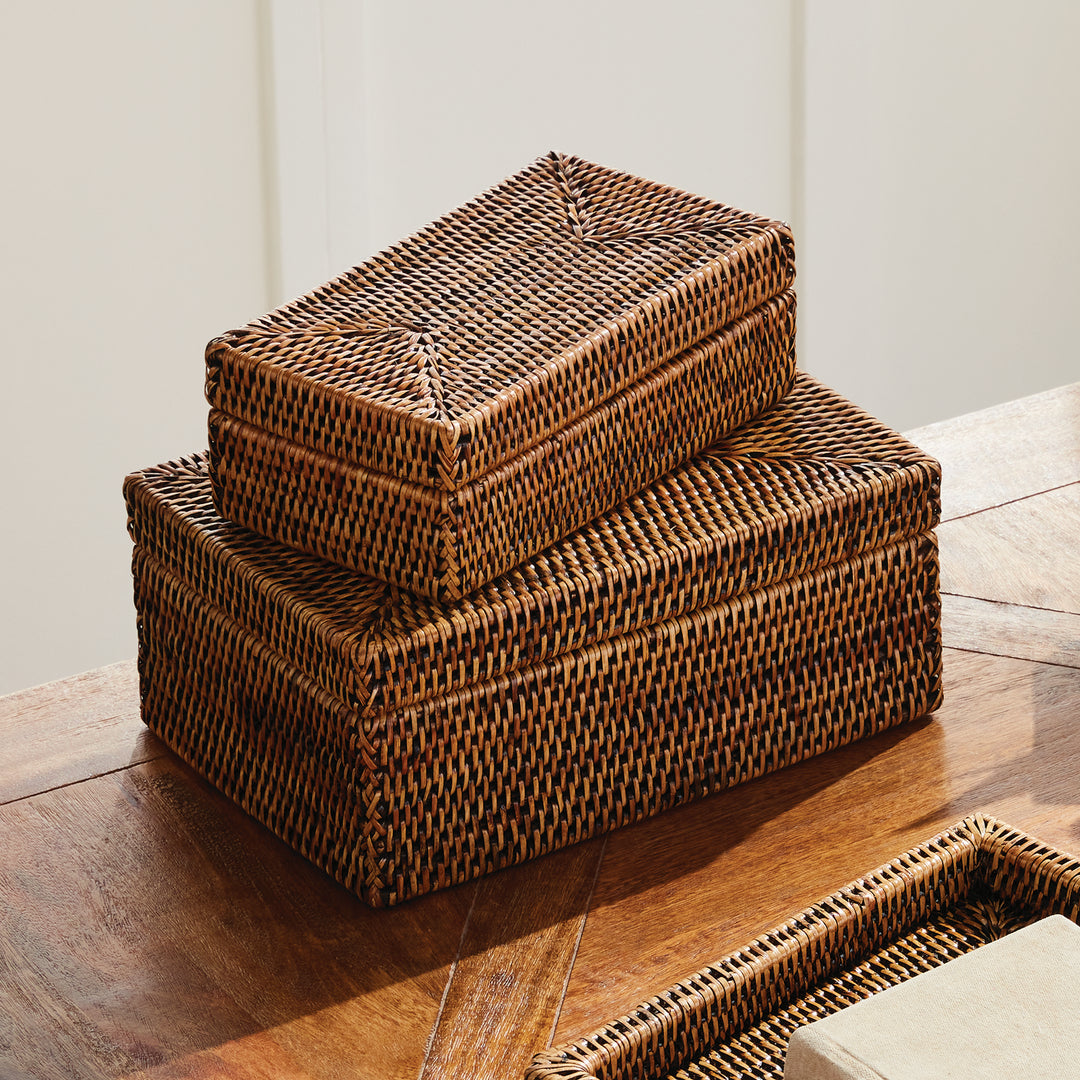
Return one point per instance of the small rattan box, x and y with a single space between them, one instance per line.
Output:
457 403
772 599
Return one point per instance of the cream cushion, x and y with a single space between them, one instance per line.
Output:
1008 1009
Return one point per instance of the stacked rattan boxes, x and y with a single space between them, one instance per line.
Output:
524 529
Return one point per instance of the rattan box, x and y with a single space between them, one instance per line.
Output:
440 413
772 599
970 885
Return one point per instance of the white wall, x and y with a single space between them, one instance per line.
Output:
926 154
133 231
939 225
446 99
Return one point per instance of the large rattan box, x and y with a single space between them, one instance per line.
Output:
457 403
772 599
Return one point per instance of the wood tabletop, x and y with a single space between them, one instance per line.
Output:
148 928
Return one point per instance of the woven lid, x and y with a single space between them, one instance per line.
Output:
497 325
812 482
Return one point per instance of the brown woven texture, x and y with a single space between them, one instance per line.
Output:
972 884
774 598
501 323
814 481
445 544
456 403
449 788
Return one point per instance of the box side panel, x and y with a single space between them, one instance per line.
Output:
1028 872
359 520
740 1010
552 754
286 752
442 792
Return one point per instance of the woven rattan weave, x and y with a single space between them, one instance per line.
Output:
448 408
772 599
731 1021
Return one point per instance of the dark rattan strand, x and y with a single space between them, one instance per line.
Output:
827 483
731 1021
444 789
500 324
444 544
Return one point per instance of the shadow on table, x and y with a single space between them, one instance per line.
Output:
163 922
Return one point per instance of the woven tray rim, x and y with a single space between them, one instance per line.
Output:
978 843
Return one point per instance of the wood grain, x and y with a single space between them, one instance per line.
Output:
147 927
1009 452
1025 552
71 729
507 988
1026 633
686 888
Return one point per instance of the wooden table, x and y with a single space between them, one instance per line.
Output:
149 929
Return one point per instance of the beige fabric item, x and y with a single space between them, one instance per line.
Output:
1008 1009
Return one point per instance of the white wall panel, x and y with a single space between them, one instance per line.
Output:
457 96
317 140
939 226
133 232
161 185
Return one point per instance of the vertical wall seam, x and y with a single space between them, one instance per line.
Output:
367 66
323 22
344 81
268 154
297 75
797 148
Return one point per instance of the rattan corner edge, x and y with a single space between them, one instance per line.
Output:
671 1027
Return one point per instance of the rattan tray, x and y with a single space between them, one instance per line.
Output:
772 599
732 1020
455 404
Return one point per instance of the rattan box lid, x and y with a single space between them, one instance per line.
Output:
501 323
812 482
